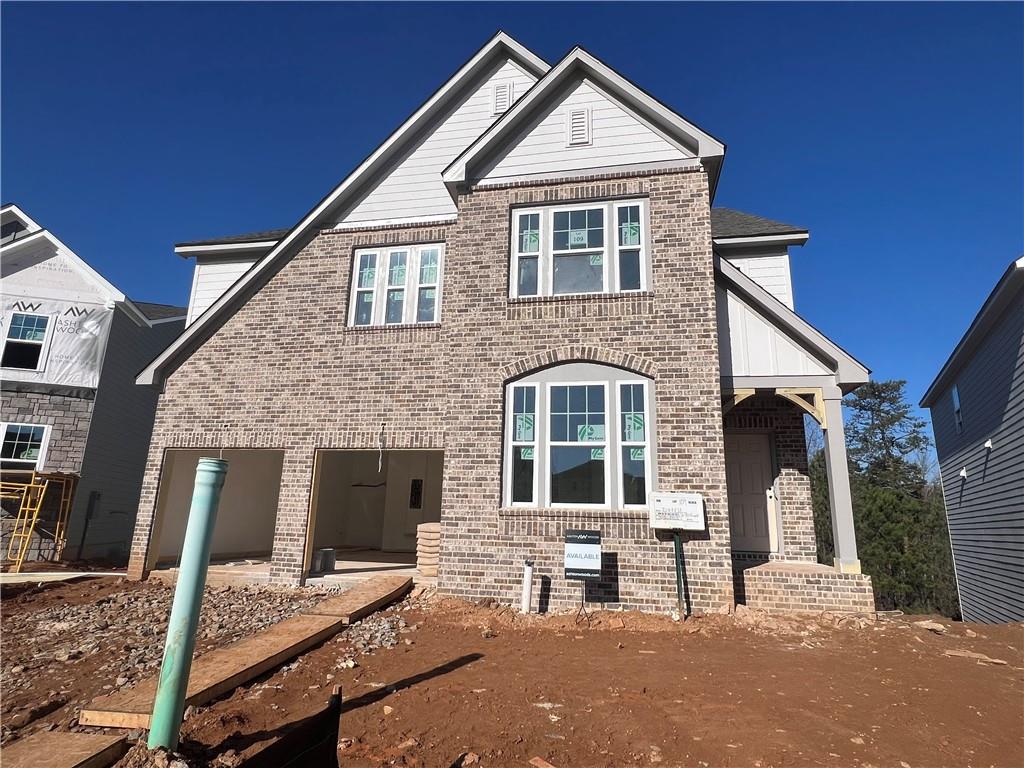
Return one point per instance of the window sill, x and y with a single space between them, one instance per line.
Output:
579 297
392 327
572 513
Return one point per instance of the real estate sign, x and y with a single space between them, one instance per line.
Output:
677 511
582 555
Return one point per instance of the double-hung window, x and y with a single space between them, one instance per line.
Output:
24 446
396 286
24 342
579 249
578 435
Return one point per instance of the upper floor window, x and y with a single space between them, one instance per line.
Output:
24 446
958 414
398 285
579 249
578 435
24 342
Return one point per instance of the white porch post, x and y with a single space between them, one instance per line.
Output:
840 500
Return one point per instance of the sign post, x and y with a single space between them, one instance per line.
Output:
678 512
582 562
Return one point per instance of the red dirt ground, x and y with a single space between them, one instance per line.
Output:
715 691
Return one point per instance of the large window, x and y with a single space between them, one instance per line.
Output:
578 435
579 249
396 286
24 446
24 341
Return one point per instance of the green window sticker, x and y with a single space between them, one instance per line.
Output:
530 242
636 454
577 238
596 454
634 430
629 233
596 259
526 453
524 428
588 433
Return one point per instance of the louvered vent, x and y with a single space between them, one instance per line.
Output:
578 128
502 97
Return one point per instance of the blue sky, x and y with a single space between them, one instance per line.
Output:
892 131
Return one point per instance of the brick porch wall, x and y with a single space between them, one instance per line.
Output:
286 372
779 587
785 423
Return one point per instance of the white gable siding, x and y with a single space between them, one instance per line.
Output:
750 345
211 278
414 189
617 138
770 271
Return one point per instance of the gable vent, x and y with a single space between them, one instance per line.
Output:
578 127
502 97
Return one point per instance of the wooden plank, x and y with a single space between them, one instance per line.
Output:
364 598
52 749
215 673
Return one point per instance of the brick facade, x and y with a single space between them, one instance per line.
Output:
285 371
787 587
68 418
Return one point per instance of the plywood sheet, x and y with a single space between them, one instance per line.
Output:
364 598
52 749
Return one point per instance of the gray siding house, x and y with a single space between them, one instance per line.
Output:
71 346
977 408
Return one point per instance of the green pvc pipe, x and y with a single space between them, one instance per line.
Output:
169 705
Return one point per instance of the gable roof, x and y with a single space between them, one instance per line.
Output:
580 63
105 286
248 237
850 372
161 312
305 230
1006 289
729 223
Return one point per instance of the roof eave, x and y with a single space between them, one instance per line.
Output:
1011 281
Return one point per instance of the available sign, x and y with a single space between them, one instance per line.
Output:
582 555
677 511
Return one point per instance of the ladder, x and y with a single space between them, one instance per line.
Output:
29 489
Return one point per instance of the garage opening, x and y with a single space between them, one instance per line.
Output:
367 506
243 537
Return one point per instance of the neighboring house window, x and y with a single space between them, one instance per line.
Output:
396 286
26 337
583 442
24 446
579 250
958 414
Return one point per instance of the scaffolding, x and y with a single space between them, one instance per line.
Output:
31 490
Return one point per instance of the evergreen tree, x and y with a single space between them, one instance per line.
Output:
902 538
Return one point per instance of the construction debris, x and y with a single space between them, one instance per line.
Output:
981 657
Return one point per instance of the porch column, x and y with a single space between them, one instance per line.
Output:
840 500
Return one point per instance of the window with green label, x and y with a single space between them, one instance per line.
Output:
524 443
24 446
396 286
582 249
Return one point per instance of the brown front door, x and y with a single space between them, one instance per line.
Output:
748 469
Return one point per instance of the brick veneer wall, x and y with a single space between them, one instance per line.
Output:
68 417
785 423
779 587
285 371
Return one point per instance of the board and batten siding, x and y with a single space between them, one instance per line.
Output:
770 270
986 509
750 345
617 138
413 189
213 276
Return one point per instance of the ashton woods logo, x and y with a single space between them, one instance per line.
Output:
24 306
77 312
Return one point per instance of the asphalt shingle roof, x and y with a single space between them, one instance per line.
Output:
725 222
160 311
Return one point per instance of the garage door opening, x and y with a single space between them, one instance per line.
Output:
366 507
243 537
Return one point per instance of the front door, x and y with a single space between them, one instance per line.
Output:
750 479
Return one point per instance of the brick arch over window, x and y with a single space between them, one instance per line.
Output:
579 353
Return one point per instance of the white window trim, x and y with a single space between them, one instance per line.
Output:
548 443
44 352
610 250
410 302
622 443
512 443
43 446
